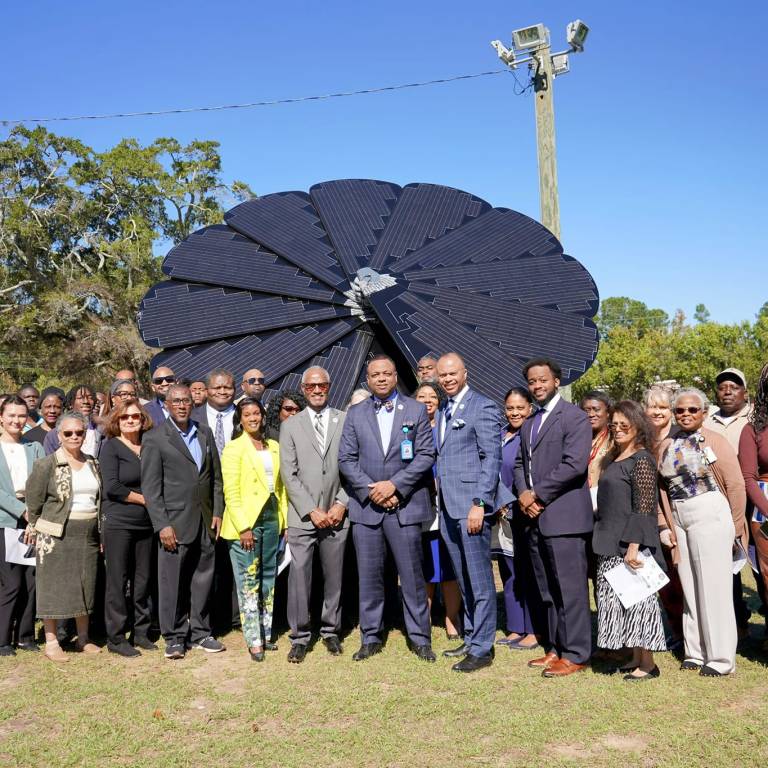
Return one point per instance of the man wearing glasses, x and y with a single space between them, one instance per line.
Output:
182 486
253 384
317 505
162 379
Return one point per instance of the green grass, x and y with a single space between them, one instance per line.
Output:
392 710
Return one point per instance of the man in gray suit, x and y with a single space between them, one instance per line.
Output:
317 505
182 487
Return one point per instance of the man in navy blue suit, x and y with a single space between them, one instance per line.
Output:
386 453
553 490
468 467
162 378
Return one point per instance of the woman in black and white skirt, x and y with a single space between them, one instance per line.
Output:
626 522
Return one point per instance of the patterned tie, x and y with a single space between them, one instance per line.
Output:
447 415
320 432
218 435
536 424
387 405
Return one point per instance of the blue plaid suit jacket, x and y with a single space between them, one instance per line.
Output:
469 456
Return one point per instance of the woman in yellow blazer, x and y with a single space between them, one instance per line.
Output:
256 508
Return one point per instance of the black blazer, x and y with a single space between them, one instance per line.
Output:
177 494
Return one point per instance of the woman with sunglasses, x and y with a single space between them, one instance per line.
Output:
255 516
63 495
126 530
703 500
285 405
80 399
17 581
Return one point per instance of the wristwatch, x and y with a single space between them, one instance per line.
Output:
478 502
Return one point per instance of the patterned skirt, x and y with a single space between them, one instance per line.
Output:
618 627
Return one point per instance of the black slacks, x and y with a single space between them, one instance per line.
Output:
17 599
128 559
560 567
185 580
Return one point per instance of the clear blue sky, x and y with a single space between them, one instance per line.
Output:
661 123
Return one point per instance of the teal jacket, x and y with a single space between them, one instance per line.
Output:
11 508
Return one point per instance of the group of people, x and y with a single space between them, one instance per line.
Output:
186 506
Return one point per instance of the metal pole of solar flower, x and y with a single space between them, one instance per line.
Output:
531 45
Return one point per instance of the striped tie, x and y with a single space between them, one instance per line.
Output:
319 431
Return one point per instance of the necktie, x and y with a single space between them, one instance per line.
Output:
536 424
320 432
387 405
218 435
447 415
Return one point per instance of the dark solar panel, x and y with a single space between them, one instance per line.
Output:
360 266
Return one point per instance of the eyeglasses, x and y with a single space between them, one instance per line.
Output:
182 401
130 416
254 380
693 410
73 432
322 386
620 427
124 394
290 408
164 380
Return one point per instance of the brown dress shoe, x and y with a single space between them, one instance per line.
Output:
562 668
544 662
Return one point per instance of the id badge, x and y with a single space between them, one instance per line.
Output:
709 455
406 450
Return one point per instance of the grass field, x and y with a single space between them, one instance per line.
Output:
392 710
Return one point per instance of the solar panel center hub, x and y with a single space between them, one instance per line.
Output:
368 281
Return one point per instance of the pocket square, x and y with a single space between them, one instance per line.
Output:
458 423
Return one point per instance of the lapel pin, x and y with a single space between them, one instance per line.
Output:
335 419
461 405
399 406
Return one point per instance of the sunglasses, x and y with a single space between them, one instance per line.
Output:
73 432
255 380
164 380
619 427
693 410
290 408
322 386
130 416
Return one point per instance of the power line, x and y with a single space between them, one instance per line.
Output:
251 105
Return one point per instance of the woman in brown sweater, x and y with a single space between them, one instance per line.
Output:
753 458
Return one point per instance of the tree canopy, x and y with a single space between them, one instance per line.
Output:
80 234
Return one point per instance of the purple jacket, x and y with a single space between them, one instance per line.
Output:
558 468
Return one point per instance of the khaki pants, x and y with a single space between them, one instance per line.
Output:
705 534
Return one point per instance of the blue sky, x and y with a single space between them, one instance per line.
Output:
660 123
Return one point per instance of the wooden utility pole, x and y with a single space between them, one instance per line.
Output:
543 80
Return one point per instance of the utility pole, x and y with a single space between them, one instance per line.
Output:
543 80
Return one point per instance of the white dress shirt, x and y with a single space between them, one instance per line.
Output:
226 421
386 420
454 401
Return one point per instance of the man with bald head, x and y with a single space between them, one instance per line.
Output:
386 456
162 378
317 512
468 466
253 384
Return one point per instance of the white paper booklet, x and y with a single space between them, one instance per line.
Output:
633 586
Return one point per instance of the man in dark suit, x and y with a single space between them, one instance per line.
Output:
468 467
386 456
182 487
317 507
551 478
162 378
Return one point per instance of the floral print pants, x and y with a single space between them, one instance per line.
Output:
255 574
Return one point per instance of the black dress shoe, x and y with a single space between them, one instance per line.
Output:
7 650
123 649
333 646
472 663
651 675
690 666
454 653
28 645
143 642
297 653
707 671
366 651
424 652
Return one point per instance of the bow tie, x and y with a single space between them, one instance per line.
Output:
387 405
